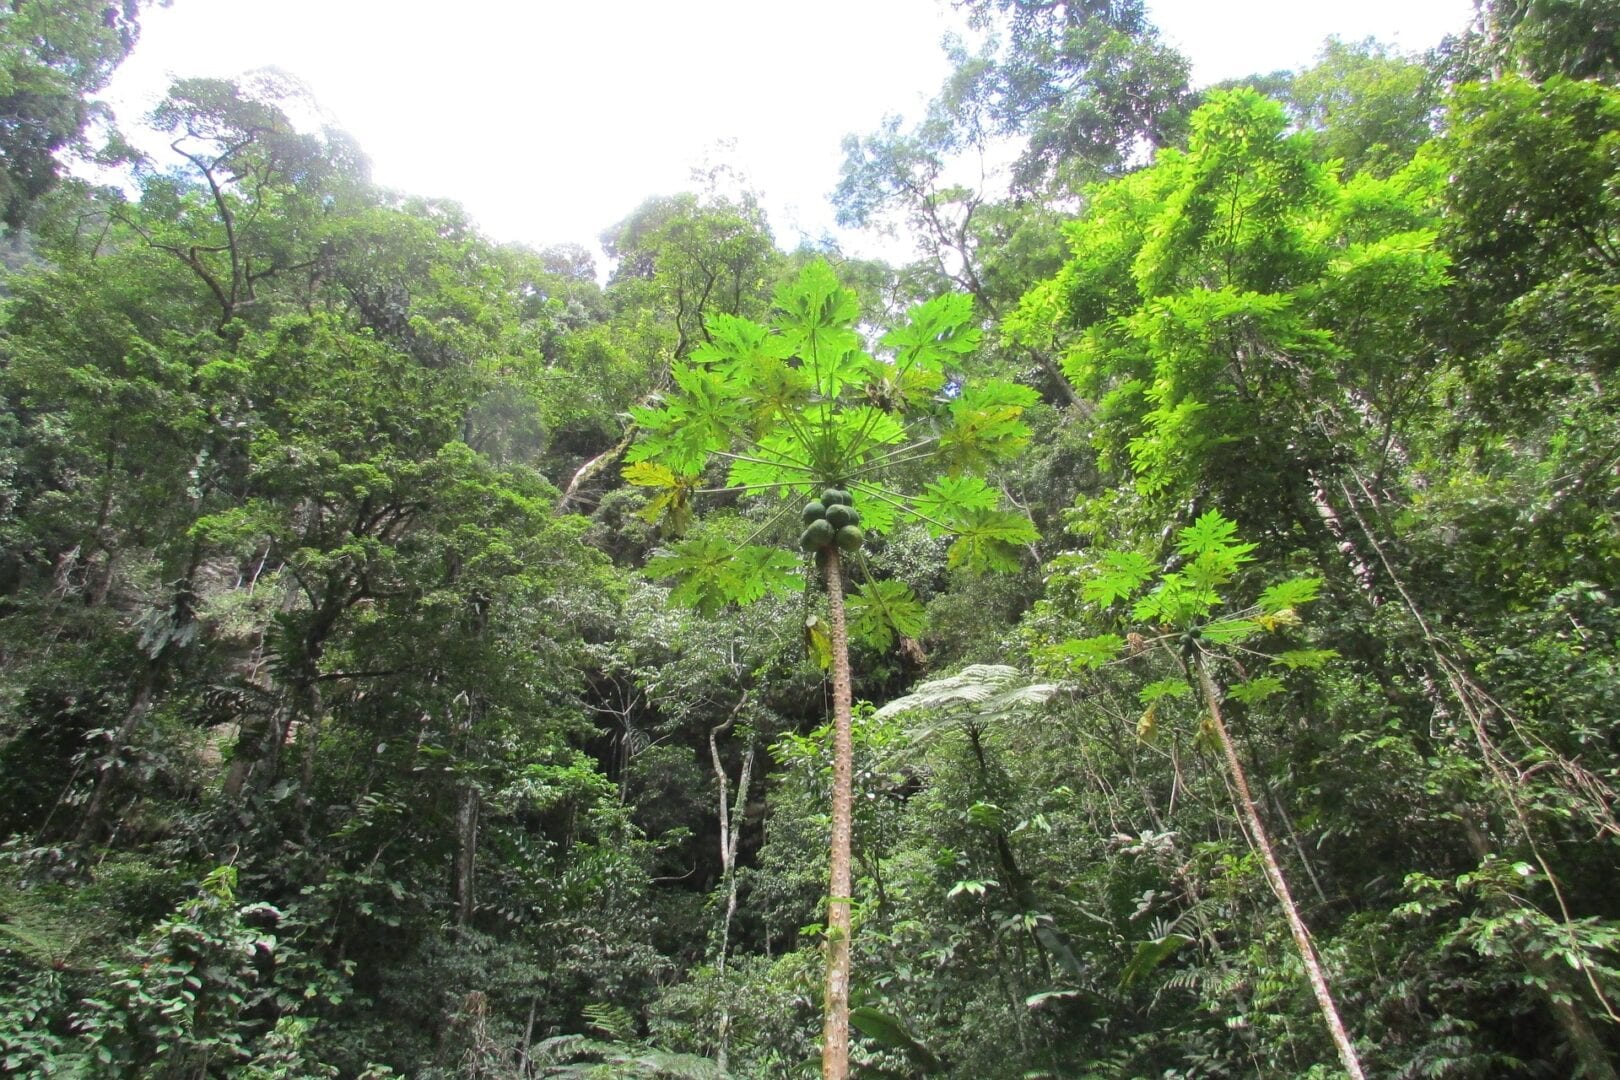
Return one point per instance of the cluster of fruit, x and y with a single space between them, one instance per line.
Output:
832 519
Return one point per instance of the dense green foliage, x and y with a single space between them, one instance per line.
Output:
409 665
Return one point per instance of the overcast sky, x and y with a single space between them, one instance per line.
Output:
550 121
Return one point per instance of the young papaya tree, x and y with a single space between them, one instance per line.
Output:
804 417
1192 632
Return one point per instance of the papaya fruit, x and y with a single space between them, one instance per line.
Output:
841 515
850 537
836 495
814 511
818 535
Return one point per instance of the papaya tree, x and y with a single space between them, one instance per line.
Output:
802 413
1191 634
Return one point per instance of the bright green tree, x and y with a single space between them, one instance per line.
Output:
804 411
1195 635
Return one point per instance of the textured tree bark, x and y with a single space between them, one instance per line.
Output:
835 1036
1279 884
731 820
466 864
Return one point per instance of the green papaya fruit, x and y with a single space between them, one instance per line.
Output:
818 535
814 511
850 537
841 515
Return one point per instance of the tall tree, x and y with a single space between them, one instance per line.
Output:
805 411
52 57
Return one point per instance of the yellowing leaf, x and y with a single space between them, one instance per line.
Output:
1147 728
818 641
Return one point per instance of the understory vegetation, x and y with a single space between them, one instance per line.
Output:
1198 654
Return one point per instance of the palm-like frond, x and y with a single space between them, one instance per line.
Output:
989 692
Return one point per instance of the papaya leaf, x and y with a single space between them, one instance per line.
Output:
1289 594
877 514
1164 688
1089 652
1213 533
880 610
986 424
1229 631
1119 574
766 571
775 460
1256 690
991 540
1308 659
671 507
948 501
1147 728
939 334
1176 602
711 572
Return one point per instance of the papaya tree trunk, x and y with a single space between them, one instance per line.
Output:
835 1037
1279 884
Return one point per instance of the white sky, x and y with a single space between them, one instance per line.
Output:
552 120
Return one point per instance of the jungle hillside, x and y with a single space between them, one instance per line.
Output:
1166 625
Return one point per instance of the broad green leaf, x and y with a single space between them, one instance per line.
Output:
649 474
880 610
1118 575
986 815
986 424
888 1032
1149 955
991 540
1229 631
1255 690
766 571
703 416
1212 533
950 500
1307 659
1090 652
1177 602
876 507
1164 688
738 346
1289 594
672 506
937 337
711 572
775 460
1212 568
816 299
862 433
704 569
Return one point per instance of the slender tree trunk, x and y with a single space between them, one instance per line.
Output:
730 832
112 765
466 865
1279 884
835 1038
